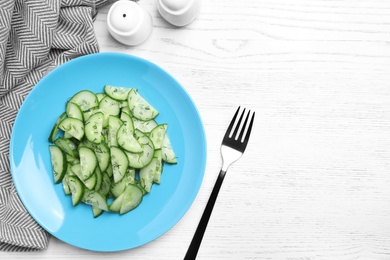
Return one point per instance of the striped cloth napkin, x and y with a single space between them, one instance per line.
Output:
35 37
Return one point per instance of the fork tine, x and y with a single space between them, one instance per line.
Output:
238 125
231 124
243 125
249 128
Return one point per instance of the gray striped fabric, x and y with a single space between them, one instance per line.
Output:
35 37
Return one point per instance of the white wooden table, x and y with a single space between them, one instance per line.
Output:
314 182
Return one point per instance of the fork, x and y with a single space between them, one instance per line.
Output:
232 149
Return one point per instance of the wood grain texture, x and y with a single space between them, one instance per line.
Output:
314 182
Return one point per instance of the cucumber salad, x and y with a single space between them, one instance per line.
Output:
109 145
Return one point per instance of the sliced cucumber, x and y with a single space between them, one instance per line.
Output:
147 147
131 199
144 126
119 163
112 147
58 162
109 107
146 175
96 211
99 179
74 111
139 107
73 127
159 166
127 140
90 183
100 96
94 198
94 127
77 189
126 119
89 113
102 152
119 187
116 205
117 93
109 170
88 162
85 99
167 153
106 184
157 135
151 173
125 108
65 184
140 160
54 130
67 146
114 123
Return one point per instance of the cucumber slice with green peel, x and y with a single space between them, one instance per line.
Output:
157 135
73 127
167 153
109 170
144 126
127 140
65 184
116 205
94 127
55 129
139 185
90 183
119 163
126 119
72 160
89 113
119 187
131 199
125 108
114 123
158 166
67 146
140 160
151 173
109 106
88 162
139 107
102 152
100 96
58 162
99 179
117 93
146 176
94 198
96 211
74 111
85 99
147 147
77 189
106 184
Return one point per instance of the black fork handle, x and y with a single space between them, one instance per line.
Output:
198 236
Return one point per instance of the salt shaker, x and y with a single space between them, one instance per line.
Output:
179 12
129 23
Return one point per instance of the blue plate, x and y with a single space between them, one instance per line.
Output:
31 167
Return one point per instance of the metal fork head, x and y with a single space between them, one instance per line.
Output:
233 138
234 142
